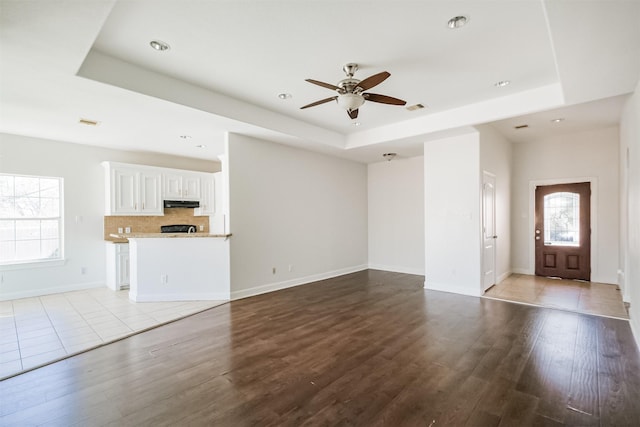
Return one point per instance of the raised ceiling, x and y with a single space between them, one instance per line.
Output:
229 60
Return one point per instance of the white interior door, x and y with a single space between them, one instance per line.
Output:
488 230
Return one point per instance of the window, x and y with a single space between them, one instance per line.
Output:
30 219
562 219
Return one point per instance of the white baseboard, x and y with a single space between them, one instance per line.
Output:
462 290
397 269
270 287
522 271
503 276
206 296
47 291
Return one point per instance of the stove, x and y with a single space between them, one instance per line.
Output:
178 228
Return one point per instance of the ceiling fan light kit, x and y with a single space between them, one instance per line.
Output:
351 92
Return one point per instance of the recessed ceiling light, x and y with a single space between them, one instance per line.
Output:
356 123
88 122
457 22
201 146
558 120
284 96
389 156
502 83
159 45
185 136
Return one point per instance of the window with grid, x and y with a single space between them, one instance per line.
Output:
30 219
562 219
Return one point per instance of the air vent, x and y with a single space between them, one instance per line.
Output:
88 122
415 107
521 126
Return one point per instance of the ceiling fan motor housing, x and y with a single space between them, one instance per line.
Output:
349 86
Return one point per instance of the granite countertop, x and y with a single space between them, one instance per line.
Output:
123 238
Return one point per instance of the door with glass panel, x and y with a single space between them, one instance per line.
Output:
563 231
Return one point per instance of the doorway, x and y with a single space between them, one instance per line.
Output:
563 231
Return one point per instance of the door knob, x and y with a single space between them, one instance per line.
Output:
537 237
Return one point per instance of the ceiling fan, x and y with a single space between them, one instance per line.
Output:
351 92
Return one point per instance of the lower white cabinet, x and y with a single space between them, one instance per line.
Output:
118 266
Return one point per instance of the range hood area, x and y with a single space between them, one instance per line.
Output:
181 204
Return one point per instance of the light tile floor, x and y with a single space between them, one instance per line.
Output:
583 297
39 330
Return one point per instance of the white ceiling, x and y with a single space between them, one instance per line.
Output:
63 60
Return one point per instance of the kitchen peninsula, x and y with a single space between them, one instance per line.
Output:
178 266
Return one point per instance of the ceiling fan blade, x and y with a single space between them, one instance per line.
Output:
353 113
374 80
322 101
323 84
383 99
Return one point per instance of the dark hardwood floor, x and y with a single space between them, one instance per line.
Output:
370 349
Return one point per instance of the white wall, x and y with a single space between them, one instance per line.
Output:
83 175
630 142
452 214
590 155
396 215
291 207
495 158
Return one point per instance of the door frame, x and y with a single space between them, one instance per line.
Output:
594 220
486 174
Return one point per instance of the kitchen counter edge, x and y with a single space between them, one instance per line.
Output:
124 238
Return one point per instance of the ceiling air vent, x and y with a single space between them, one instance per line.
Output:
521 126
88 122
415 107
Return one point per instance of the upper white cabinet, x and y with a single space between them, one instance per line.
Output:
132 191
208 194
181 186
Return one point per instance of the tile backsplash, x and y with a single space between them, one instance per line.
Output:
151 224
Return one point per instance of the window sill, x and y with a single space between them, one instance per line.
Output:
32 264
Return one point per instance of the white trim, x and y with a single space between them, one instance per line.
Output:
397 269
462 290
207 296
594 218
270 287
47 291
635 329
503 276
522 271
28 265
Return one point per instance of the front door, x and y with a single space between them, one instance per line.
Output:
563 231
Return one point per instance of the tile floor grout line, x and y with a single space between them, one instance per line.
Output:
52 326
84 318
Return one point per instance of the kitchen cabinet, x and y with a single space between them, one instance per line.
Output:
181 186
208 205
118 266
132 191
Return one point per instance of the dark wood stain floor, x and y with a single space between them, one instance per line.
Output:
369 349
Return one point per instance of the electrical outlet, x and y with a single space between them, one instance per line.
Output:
164 279
83 270
127 230
202 228
290 268
119 230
